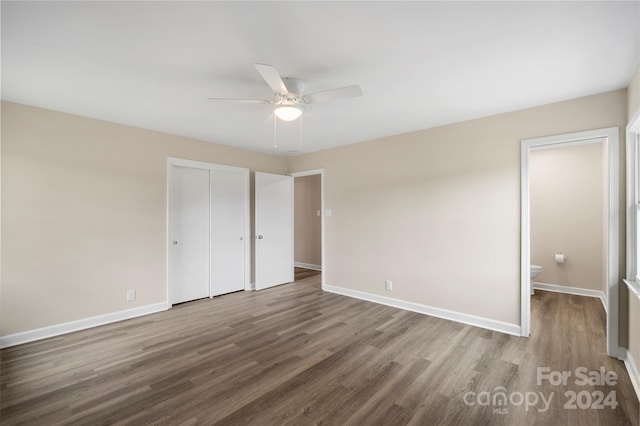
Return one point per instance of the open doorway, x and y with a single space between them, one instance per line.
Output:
568 196
308 223
609 140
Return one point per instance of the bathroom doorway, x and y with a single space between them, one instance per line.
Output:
605 140
567 196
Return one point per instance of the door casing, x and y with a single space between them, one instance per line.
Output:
611 135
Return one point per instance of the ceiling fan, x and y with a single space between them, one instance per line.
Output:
288 97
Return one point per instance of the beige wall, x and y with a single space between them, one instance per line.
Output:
567 198
307 222
634 328
84 213
634 93
438 211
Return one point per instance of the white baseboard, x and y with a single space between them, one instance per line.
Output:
481 322
572 290
68 327
632 369
308 266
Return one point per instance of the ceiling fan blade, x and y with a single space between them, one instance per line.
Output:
246 101
334 94
272 78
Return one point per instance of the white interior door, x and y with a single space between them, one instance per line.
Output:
274 229
189 234
228 242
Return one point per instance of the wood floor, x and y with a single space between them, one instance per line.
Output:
294 355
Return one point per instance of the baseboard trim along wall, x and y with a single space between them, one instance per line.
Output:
481 322
308 266
82 324
632 369
572 290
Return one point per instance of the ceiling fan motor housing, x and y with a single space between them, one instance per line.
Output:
294 86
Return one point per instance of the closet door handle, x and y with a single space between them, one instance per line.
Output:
260 237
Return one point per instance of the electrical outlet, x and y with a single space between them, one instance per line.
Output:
131 295
388 285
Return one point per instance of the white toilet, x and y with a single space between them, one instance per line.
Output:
534 271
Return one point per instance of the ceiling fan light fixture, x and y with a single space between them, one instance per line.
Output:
288 113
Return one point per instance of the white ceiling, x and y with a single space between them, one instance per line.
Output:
420 64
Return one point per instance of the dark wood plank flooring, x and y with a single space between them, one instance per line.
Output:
294 355
302 273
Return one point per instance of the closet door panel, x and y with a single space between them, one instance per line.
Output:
228 239
189 234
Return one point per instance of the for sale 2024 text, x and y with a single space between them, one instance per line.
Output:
582 376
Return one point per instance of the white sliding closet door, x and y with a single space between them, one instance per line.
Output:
208 229
189 234
228 240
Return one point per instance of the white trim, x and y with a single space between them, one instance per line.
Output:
525 256
502 327
632 133
323 257
203 165
632 369
292 255
611 134
632 195
633 286
307 173
572 290
307 266
248 285
569 144
82 324
634 123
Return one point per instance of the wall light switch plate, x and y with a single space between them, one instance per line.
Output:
327 212
131 295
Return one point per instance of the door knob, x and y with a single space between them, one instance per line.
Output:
260 237
175 243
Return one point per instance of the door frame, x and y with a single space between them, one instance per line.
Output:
180 162
611 136
323 258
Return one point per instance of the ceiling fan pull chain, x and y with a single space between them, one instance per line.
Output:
275 133
300 147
